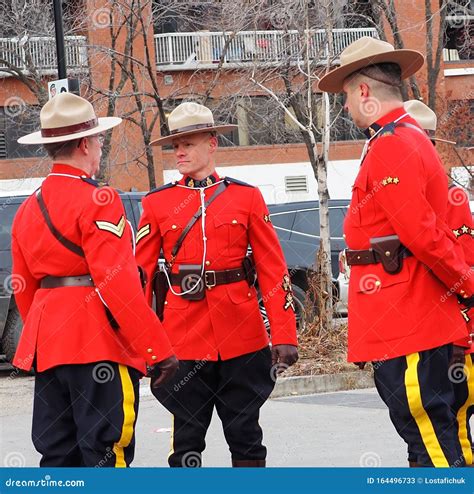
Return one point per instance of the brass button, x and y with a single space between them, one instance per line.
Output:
249 294
378 283
208 263
234 222
149 350
387 253
166 302
358 257
174 227
153 357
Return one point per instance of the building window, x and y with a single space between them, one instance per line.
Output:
16 121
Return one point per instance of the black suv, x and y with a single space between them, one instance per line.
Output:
297 225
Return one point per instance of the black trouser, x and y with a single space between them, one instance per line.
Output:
419 394
463 383
237 388
84 415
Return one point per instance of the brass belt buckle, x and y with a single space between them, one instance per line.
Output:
210 284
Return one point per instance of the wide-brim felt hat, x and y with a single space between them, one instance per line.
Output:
66 117
425 117
368 51
191 118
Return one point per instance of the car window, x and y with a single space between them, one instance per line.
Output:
7 213
306 227
283 223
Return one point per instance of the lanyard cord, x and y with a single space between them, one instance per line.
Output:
204 238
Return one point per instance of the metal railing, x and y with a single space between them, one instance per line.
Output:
204 49
42 51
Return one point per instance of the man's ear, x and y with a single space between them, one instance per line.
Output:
364 89
213 143
84 146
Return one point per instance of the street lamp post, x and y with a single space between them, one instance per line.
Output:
59 31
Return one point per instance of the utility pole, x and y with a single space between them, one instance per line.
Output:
59 31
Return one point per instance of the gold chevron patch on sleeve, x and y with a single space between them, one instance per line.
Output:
116 229
143 232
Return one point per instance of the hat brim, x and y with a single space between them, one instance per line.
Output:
410 61
220 129
105 123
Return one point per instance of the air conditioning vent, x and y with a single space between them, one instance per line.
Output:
296 184
3 145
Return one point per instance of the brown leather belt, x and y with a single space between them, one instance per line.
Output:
368 256
213 278
62 281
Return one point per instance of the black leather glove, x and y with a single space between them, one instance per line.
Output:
163 371
283 356
361 365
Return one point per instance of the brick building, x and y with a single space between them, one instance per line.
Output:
177 53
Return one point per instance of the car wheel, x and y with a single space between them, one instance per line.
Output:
299 297
11 334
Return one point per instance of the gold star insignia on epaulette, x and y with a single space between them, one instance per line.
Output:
465 229
116 229
266 218
143 232
456 233
390 180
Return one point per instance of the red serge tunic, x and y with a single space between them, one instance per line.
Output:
402 189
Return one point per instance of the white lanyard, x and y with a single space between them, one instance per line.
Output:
367 142
204 238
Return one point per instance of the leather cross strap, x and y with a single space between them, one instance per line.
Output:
174 252
56 233
213 278
62 281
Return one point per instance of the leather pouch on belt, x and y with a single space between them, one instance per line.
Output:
191 282
160 289
389 251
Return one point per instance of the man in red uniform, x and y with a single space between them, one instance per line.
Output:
407 267
88 331
459 219
211 312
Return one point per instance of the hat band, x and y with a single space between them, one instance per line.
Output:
191 127
70 129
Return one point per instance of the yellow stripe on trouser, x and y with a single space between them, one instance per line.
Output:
128 417
462 413
172 437
427 432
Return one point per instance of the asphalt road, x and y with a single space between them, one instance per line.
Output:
346 429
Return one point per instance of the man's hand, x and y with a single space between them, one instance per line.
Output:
283 356
361 365
163 371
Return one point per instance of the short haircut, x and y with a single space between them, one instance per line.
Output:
387 74
61 149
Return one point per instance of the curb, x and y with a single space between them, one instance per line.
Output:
323 383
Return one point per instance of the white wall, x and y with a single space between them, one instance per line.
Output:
271 179
19 186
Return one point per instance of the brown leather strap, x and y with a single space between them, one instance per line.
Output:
213 278
56 233
62 281
368 256
174 252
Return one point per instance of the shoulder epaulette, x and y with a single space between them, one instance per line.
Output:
93 182
237 182
388 130
163 187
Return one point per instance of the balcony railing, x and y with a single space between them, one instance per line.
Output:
187 51
42 50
